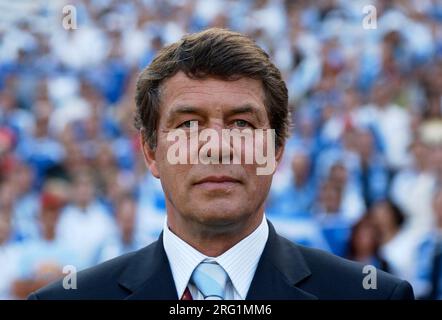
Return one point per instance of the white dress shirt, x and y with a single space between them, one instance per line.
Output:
239 262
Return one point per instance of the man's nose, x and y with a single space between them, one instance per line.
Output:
219 141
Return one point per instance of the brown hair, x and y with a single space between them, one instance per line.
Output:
218 53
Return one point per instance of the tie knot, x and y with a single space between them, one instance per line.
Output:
210 279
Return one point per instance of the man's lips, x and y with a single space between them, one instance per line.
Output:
218 179
215 182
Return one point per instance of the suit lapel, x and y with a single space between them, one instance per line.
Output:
149 276
280 268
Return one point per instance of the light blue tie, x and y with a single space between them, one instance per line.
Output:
210 279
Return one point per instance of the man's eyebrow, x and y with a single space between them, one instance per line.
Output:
180 110
246 108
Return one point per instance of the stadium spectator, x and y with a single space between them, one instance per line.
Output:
396 245
126 240
9 252
42 259
85 223
429 258
364 244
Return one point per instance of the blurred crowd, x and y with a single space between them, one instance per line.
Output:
362 172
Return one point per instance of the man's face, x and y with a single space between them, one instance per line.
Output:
233 193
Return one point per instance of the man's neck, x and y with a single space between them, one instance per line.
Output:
213 241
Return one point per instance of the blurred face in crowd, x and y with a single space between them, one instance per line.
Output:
306 127
48 222
7 194
195 199
300 167
84 190
105 158
23 179
330 197
7 100
350 100
55 195
75 159
350 139
126 218
338 174
421 154
365 145
437 207
365 238
43 111
435 159
381 94
5 227
384 220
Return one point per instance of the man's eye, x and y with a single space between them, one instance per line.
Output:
188 124
242 123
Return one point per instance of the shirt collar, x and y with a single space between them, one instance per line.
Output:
240 261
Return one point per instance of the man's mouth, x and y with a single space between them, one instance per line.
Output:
217 182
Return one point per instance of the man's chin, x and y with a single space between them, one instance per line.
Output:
219 216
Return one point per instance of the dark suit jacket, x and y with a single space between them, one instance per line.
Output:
285 271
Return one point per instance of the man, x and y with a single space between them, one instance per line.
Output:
216 242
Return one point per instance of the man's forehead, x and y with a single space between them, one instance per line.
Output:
183 89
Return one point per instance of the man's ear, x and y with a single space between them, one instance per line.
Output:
279 153
149 157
